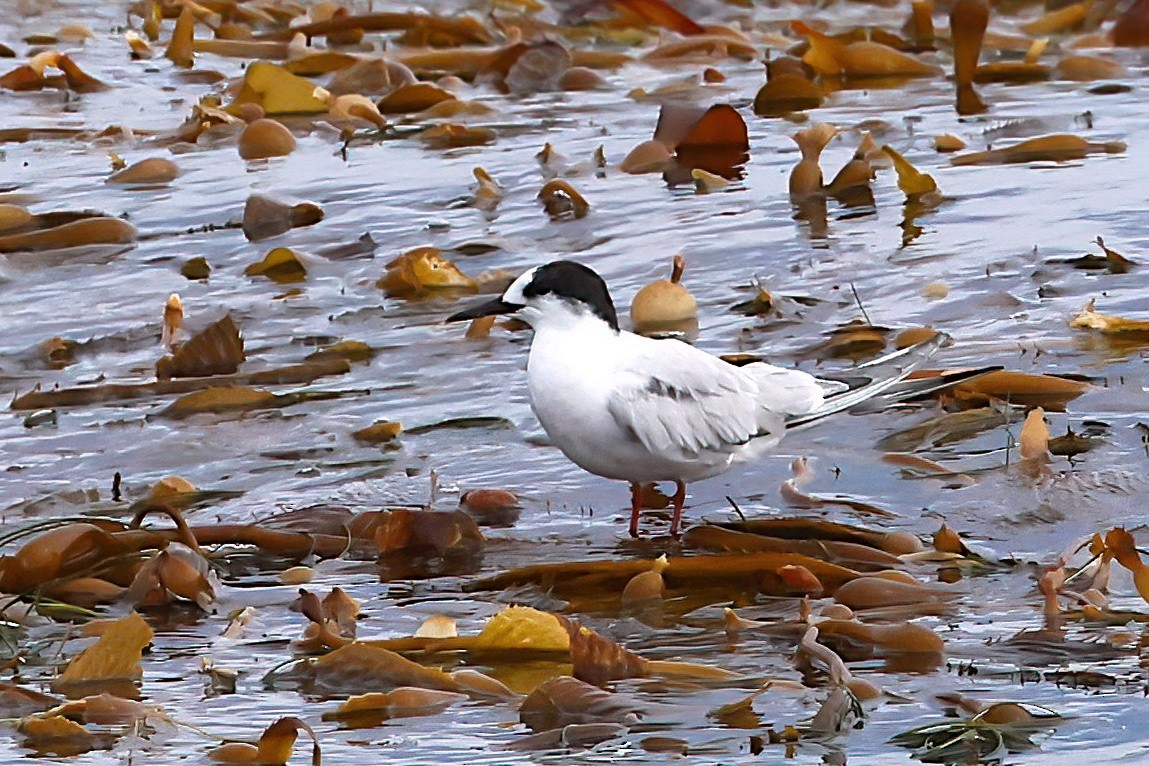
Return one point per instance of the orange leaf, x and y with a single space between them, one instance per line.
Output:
721 125
659 13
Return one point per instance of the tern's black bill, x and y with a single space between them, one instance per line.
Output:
497 306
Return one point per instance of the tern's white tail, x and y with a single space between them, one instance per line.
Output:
883 381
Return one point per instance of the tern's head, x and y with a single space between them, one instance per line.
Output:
557 290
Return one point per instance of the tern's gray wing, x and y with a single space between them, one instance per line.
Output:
679 401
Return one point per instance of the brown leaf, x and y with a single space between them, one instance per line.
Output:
648 157
1118 328
414 97
714 538
274 748
491 507
877 591
277 91
154 171
538 67
350 350
659 13
18 701
379 432
216 350
265 217
427 532
176 572
451 136
265 138
519 628
948 541
1059 21
57 735
1019 388
373 76
360 668
87 230
562 201
1132 27
180 49
404 702
563 701
104 710
1059 147
55 554
717 575
739 714
220 400
109 392
787 92
598 660
882 640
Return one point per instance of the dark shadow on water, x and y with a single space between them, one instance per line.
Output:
726 161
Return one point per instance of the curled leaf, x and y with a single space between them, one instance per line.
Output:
562 201
912 181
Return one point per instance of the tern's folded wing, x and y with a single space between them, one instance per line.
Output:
679 402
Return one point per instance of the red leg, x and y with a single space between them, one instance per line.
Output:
635 507
679 500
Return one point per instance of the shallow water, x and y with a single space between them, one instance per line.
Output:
991 243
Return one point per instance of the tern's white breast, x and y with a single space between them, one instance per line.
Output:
574 368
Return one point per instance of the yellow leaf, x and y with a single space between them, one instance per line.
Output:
180 49
1091 319
277 91
420 270
910 180
115 657
281 265
1059 21
522 627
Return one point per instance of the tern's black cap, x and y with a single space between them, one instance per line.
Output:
568 279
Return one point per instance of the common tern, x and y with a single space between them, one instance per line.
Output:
640 410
